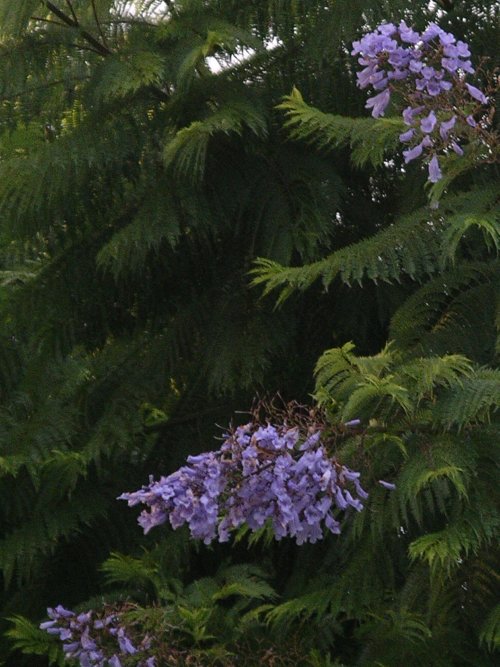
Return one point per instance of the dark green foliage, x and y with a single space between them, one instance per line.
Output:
147 159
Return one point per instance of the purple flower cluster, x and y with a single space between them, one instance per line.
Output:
428 70
259 474
94 641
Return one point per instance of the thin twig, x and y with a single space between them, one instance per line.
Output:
100 48
98 24
73 23
43 86
82 47
137 21
73 14
39 18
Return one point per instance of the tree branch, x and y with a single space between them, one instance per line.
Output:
44 86
98 24
99 48
73 23
42 20
73 14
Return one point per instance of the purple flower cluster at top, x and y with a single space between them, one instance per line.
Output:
428 69
260 473
94 641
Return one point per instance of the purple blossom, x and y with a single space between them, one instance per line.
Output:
124 642
434 87
260 474
408 34
427 124
415 66
413 153
397 74
428 73
428 70
387 485
462 49
378 103
476 94
86 638
434 171
446 126
431 32
387 29
410 113
353 422
446 38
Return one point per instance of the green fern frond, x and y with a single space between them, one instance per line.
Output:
490 631
435 480
446 548
21 549
376 395
368 139
474 400
415 246
428 373
410 247
337 371
187 150
246 588
305 606
362 385
73 160
124 74
15 16
156 222
130 571
483 214
429 308
27 638
400 625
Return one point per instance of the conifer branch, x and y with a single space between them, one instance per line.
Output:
99 48
43 86
98 24
42 20
73 23
73 14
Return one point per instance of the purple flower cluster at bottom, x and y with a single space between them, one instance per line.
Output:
94 641
260 474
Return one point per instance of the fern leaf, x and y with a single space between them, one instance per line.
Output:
27 638
425 311
428 373
124 569
445 549
124 74
410 247
187 150
474 400
368 139
156 222
490 631
459 225
15 16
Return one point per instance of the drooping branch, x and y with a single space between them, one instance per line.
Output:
73 23
98 23
98 47
71 9
44 20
